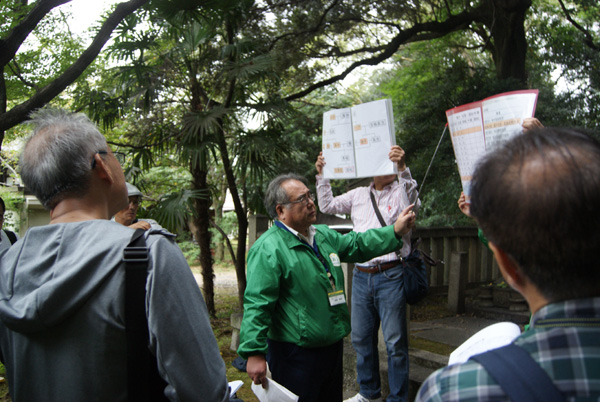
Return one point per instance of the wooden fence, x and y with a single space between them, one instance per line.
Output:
441 242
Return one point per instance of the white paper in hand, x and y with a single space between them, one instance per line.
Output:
492 337
274 393
234 386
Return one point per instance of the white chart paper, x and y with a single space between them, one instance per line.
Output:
373 129
480 127
466 129
357 141
503 116
338 144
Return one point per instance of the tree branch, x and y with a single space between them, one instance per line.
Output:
16 70
309 30
229 246
589 39
417 32
19 113
13 41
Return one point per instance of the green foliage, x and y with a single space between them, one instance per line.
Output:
45 54
12 199
571 52
190 249
174 209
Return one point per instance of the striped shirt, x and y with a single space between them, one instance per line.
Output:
570 354
390 201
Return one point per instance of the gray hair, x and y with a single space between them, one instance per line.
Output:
276 195
57 156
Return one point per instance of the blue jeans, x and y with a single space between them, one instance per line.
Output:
379 298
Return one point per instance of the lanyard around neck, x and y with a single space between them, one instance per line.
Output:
315 249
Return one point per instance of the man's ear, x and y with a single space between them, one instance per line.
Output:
279 210
508 268
102 169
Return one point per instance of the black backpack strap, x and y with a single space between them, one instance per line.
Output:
143 381
11 236
521 377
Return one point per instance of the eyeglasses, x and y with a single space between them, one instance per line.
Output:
302 199
119 155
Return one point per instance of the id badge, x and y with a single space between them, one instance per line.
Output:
336 297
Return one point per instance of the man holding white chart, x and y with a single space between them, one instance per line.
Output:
377 284
536 200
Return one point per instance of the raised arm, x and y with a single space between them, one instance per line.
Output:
329 204
398 156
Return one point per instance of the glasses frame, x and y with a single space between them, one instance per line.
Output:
120 156
303 199
137 201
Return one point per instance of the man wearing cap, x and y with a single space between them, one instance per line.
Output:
7 238
127 216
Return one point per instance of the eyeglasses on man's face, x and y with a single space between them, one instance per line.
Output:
119 155
135 201
303 199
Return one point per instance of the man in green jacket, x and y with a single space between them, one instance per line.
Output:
295 311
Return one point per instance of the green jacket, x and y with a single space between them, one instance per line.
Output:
286 296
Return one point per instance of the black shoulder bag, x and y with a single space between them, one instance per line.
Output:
416 284
144 383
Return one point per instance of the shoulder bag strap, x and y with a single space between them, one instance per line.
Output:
383 224
521 377
143 381
11 236
381 221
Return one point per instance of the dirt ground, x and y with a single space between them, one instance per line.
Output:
223 279
434 306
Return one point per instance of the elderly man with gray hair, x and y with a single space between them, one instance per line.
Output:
64 326
295 311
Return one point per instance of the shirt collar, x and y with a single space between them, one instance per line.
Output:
568 309
308 239
392 184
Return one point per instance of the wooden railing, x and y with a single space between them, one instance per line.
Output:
441 242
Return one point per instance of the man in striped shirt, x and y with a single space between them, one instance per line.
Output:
537 202
377 285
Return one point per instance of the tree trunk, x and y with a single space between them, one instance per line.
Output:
240 212
240 263
218 203
203 236
506 20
